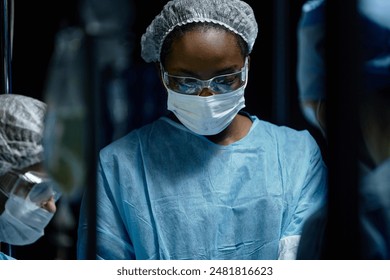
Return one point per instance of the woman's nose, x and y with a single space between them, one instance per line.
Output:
206 92
49 205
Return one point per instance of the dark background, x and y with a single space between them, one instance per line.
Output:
37 23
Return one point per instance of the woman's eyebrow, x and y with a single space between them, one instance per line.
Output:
189 73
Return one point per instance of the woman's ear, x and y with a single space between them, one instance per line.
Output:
249 62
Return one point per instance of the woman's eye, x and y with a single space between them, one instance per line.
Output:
226 80
189 82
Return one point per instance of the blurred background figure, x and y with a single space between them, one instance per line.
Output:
375 118
311 63
27 195
374 109
374 112
376 10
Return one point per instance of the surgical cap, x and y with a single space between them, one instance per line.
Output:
311 52
376 10
234 15
21 129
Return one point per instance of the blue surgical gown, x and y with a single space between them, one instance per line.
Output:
5 257
166 193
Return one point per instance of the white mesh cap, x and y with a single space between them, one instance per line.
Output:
21 130
235 15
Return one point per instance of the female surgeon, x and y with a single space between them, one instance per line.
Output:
207 181
27 196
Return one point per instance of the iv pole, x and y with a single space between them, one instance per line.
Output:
6 54
6 44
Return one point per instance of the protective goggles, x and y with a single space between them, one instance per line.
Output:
219 84
33 186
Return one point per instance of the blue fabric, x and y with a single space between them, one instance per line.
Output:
375 43
311 64
5 257
167 193
314 14
374 220
376 213
311 52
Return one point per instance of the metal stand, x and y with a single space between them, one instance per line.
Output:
6 54
6 45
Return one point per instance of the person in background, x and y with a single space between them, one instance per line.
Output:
374 112
27 196
209 180
375 119
311 64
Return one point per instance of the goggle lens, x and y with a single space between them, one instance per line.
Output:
192 86
33 186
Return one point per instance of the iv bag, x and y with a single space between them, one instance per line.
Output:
65 133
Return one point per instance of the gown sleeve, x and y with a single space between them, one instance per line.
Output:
312 196
5 257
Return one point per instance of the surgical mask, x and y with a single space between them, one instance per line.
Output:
22 221
206 115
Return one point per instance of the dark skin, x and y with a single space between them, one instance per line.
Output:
48 205
204 55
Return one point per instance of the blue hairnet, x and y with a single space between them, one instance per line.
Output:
311 52
21 130
377 10
235 15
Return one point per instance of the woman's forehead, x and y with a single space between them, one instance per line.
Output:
204 47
